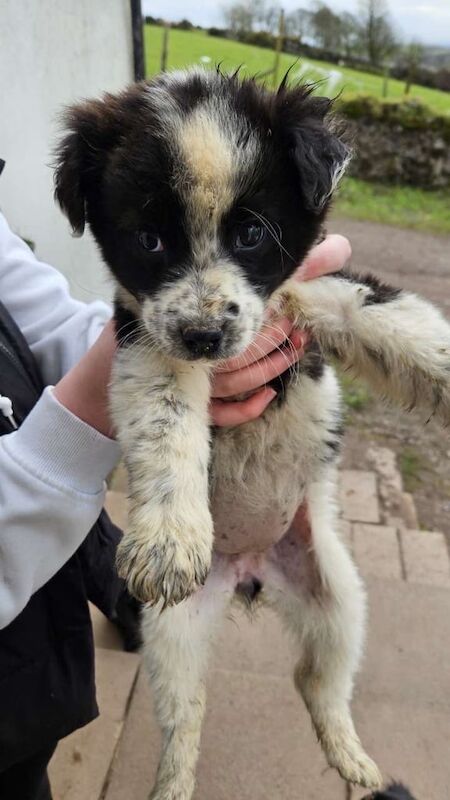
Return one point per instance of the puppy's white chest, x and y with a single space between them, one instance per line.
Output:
260 471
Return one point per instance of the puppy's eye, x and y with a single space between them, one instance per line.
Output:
249 235
150 241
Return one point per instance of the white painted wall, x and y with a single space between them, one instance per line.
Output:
53 52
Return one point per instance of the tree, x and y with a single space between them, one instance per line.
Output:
238 18
298 23
412 58
244 17
377 33
350 35
326 27
270 18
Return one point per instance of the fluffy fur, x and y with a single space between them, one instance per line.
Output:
204 192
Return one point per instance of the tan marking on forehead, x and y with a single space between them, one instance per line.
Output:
209 157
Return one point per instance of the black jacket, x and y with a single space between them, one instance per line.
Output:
47 681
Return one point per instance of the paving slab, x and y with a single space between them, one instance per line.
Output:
118 480
426 557
402 697
408 647
116 504
106 635
390 484
79 768
359 496
408 511
346 533
257 742
376 550
410 744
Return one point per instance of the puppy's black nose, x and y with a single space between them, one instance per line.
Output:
202 342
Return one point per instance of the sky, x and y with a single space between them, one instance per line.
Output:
425 20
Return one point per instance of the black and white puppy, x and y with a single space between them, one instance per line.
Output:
204 192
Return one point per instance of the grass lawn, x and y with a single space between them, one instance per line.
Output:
196 47
405 206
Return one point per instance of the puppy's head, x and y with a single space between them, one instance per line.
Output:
204 192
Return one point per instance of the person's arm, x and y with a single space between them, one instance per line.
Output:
58 329
51 493
54 467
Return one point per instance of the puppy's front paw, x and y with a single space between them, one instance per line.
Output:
165 566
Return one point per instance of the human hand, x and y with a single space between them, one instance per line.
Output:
275 348
84 389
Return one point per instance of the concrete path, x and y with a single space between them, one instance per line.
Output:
257 739
406 258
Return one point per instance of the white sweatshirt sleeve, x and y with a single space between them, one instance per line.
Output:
58 328
52 470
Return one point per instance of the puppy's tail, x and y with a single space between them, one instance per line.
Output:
396 791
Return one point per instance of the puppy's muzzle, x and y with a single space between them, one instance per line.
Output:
201 342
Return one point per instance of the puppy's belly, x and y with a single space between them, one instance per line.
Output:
240 528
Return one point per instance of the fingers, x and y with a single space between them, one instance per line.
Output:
270 336
331 255
228 384
275 349
226 414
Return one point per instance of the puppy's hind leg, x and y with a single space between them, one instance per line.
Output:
176 652
315 588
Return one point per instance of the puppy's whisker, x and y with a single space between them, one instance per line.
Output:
279 348
140 337
293 368
124 327
288 344
264 356
271 229
249 363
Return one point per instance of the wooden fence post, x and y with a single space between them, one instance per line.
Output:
384 90
278 49
165 46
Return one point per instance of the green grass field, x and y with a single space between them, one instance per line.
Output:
404 206
196 47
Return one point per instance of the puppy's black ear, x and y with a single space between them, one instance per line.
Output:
81 155
318 152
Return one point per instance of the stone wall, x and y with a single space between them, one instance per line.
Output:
398 143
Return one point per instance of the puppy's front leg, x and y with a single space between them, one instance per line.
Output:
397 341
160 410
